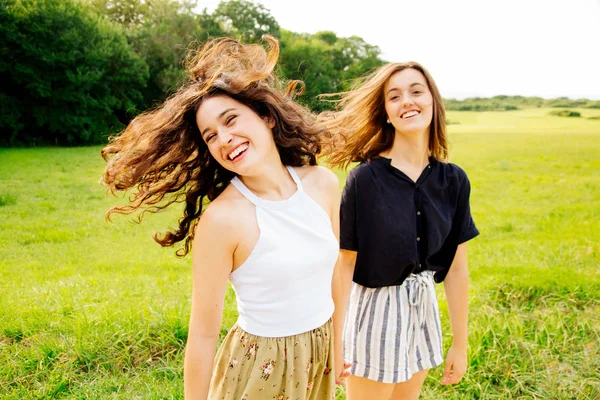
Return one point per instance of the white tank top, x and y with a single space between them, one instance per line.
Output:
284 287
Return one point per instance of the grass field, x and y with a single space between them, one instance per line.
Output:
96 310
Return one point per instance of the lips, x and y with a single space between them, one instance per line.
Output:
237 151
409 114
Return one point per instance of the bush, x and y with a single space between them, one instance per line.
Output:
592 104
69 76
565 113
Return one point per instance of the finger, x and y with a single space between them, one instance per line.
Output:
448 369
341 380
453 380
347 365
448 375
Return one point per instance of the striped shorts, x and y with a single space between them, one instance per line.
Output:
392 332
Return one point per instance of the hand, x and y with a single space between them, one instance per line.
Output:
455 365
341 370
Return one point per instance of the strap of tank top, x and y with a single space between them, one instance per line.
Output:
247 193
295 177
257 201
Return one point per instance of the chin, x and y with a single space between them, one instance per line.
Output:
412 129
244 169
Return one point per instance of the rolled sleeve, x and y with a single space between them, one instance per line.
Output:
468 229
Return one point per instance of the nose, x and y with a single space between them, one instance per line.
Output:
224 137
407 100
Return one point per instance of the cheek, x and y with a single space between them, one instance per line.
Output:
264 135
427 100
214 152
389 108
426 105
429 113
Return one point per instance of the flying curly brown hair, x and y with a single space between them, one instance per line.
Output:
161 157
358 130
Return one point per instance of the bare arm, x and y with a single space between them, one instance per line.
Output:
456 286
327 189
212 262
340 288
341 285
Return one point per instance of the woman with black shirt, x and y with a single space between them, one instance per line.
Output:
405 220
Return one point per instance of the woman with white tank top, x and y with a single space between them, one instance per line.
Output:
282 343
272 232
233 137
276 244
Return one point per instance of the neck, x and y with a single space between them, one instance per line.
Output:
410 149
271 181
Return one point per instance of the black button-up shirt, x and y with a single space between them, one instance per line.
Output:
399 226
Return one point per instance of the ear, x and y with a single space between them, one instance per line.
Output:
270 121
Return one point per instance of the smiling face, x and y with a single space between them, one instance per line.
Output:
408 102
236 136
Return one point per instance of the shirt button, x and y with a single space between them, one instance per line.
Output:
417 187
418 212
418 239
419 265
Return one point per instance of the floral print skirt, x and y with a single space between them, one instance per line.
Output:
298 367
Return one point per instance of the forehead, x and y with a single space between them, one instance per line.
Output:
403 79
212 108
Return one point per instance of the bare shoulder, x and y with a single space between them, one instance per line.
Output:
222 214
319 177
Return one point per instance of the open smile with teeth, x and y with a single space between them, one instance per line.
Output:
238 150
409 114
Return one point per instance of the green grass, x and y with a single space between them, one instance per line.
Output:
96 310
530 120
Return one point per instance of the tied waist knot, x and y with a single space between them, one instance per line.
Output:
420 287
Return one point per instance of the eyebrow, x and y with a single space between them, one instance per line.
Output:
411 85
219 117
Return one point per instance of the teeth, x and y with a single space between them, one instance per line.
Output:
409 114
237 151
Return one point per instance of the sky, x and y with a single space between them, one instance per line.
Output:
546 48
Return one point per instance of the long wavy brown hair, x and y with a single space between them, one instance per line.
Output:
358 130
160 156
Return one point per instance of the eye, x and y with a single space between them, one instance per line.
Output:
209 137
230 119
393 98
417 92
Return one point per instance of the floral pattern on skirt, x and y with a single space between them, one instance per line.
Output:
298 367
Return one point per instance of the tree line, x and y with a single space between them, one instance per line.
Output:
72 72
508 103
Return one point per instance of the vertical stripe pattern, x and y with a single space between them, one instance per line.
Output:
392 332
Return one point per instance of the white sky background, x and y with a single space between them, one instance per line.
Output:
547 48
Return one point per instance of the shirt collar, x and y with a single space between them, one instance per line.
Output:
387 163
